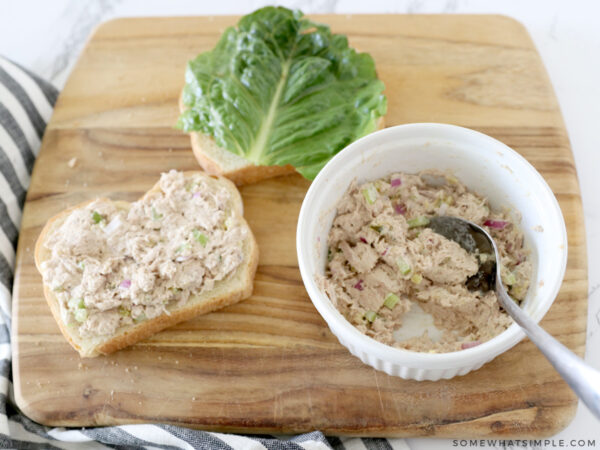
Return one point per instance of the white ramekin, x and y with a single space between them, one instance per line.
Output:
487 167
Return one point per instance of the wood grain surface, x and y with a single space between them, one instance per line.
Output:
270 364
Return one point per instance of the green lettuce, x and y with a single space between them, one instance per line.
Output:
280 89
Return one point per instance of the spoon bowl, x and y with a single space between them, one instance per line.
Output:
583 379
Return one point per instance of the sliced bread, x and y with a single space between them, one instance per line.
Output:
213 294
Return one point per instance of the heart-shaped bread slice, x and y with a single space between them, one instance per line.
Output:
115 272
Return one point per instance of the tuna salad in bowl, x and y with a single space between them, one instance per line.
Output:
386 268
400 296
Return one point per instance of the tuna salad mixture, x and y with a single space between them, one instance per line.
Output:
385 264
112 266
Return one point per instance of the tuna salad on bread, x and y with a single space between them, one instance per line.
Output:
117 272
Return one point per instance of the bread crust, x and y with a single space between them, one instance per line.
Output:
250 173
193 308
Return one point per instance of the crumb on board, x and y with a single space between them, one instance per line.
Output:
72 162
538 228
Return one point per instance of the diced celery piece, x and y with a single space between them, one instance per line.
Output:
370 315
509 278
370 194
416 278
517 290
391 300
155 215
124 311
182 247
140 318
420 221
200 237
80 315
403 266
97 217
377 228
76 303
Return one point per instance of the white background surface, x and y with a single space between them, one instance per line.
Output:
47 36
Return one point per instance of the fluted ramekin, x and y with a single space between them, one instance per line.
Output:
486 166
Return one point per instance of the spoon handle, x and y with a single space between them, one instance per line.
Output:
582 378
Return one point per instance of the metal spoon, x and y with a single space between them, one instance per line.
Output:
582 378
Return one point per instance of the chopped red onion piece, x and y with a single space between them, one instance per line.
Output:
496 224
400 208
196 195
384 252
363 240
396 182
466 345
125 284
359 285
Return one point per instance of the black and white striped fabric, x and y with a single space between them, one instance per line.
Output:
26 104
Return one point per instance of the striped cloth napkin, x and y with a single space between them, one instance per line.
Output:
26 104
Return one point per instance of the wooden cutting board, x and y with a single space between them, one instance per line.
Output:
270 364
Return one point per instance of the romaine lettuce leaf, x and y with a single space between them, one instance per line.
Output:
280 89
